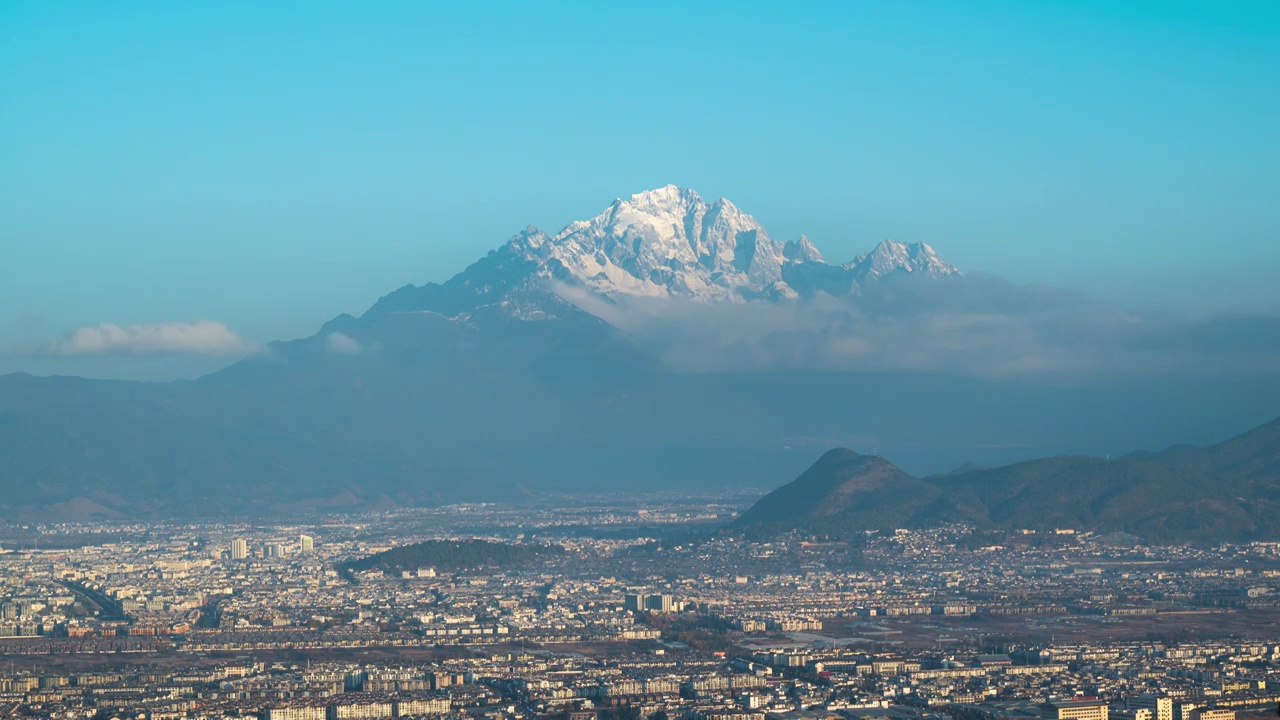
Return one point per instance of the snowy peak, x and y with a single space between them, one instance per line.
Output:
802 251
531 238
665 242
670 242
891 256
666 200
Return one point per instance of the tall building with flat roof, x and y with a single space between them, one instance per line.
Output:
1075 710
660 603
239 549
1213 714
306 543
1161 707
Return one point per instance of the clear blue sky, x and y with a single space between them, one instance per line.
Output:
271 164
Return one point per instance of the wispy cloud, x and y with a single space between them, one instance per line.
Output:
976 326
342 344
201 337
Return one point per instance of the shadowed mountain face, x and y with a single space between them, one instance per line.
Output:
549 365
1229 491
843 491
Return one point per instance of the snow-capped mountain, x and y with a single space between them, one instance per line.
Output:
890 257
666 242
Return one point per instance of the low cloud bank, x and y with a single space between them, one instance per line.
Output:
980 326
342 344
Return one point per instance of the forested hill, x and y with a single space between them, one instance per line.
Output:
453 556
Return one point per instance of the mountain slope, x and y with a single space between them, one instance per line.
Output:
843 490
1228 491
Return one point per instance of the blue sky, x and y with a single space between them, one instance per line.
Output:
270 165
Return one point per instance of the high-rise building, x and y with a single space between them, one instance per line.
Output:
660 603
634 602
273 550
306 543
1161 707
239 549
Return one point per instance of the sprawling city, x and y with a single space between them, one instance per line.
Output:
628 608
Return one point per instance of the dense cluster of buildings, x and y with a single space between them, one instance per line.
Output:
1134 682
230 620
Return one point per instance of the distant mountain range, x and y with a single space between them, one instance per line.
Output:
666 342
1228 491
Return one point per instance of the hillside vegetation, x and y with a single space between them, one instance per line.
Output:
454 556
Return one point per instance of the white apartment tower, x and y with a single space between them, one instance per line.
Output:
1161 707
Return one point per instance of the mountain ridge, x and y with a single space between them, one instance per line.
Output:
1226 491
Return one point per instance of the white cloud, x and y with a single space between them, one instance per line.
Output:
979 327
201 337
342 344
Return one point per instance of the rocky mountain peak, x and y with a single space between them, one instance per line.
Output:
665 242
802 250
893 256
